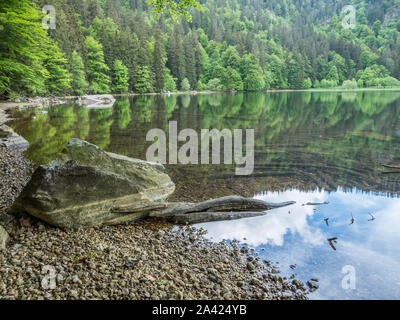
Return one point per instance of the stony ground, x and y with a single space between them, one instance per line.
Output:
14 174
146 260
137 261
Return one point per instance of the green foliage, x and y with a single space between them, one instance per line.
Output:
59 79
175 8
307 84
254 80
232 79
229 45
372 75
169 82
99 80
214 85
388 82
142 79
121 77
185 85
158 61
328 83
22 49
78 81
350 84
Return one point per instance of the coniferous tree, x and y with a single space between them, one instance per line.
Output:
172 61
78 79
190 64
225 41
21 49
158 61
121 77
169 82
142 76
98 78
59 78
185 85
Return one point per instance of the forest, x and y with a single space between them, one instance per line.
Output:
119 46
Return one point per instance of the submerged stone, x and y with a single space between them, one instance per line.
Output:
83 187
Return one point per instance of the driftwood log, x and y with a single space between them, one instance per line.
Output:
226 208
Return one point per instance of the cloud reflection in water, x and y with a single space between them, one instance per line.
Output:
301 238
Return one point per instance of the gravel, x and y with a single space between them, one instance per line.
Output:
145 260
15 171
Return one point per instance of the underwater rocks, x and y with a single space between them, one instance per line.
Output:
82 188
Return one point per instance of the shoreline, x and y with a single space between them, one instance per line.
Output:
145 260
38 101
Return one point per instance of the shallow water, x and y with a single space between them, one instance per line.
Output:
310 147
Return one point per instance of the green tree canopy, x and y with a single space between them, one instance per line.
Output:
121 77
99 81
78 81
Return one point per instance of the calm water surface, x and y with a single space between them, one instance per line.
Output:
310 147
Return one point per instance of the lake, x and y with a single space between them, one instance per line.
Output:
310 147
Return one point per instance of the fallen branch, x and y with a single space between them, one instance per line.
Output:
391 172
224 204
390 167
315 203
199 217
226 208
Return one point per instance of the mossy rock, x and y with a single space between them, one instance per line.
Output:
82 188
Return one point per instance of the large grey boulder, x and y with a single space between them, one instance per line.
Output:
3 238
10 139
84 187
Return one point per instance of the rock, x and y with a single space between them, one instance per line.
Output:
5 131
298 284
3 238
10 139
97 101
83 188
250 266
312 286
25 223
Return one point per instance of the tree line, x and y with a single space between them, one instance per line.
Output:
103 46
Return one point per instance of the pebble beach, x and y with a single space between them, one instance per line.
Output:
141 260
